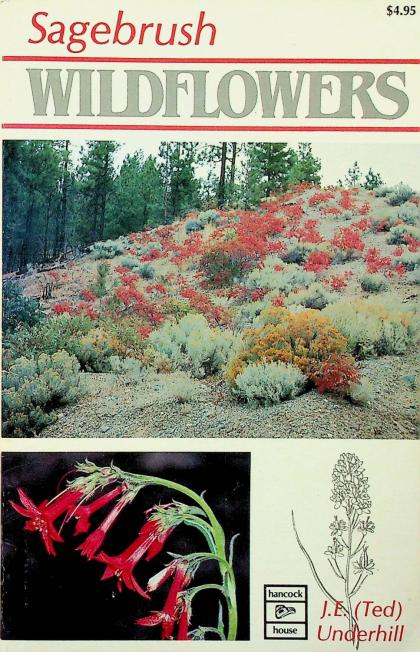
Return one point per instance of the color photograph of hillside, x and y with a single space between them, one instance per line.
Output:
207 290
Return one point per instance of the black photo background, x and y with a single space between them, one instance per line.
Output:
63 598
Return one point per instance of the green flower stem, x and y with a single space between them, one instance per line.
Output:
204 587
218 535
229 588
202 525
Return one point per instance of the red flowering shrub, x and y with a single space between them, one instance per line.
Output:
397 270
258 294
364 209
320 198
156 288
363 225
153 254
230 260
205 306
413 244
62 307
129 278
192 246
381 225
330 210
348 241
144 331
375 262
339 281
346 201
122 270
278 301
88 295
54 275
318 261
135 301
293 211
336 374
237 292
306 233
85 308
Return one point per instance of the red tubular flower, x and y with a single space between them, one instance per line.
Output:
149 543
84 512
42 517
184 620
171 612
93 542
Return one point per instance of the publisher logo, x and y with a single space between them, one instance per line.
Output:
286 611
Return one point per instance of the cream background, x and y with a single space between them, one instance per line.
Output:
286 474
296 474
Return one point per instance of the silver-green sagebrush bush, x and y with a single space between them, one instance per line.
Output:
361 393
399 194
374 283
269 383
193 225
410 260
210 216
107 249
78 336
191 345
374 326
399 233
130 262
182 387
315 296
348 554
283 280
34 387
408 213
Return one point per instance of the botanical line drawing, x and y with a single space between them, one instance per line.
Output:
348 554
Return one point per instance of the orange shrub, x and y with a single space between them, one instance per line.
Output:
305 339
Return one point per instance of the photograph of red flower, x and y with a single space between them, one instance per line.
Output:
169 545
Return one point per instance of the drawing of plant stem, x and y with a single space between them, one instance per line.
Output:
348 553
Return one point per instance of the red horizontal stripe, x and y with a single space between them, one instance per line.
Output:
164 127
169 60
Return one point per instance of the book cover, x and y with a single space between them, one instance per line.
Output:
210 255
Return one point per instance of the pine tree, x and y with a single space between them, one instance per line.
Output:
181 188
353 175
251 183
372 180
151 193
222 160
307 167
125 206
31 179
275 161
66 184
96 175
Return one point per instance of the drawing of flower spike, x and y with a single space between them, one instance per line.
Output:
98 488
348 553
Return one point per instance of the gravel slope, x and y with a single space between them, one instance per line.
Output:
114 407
